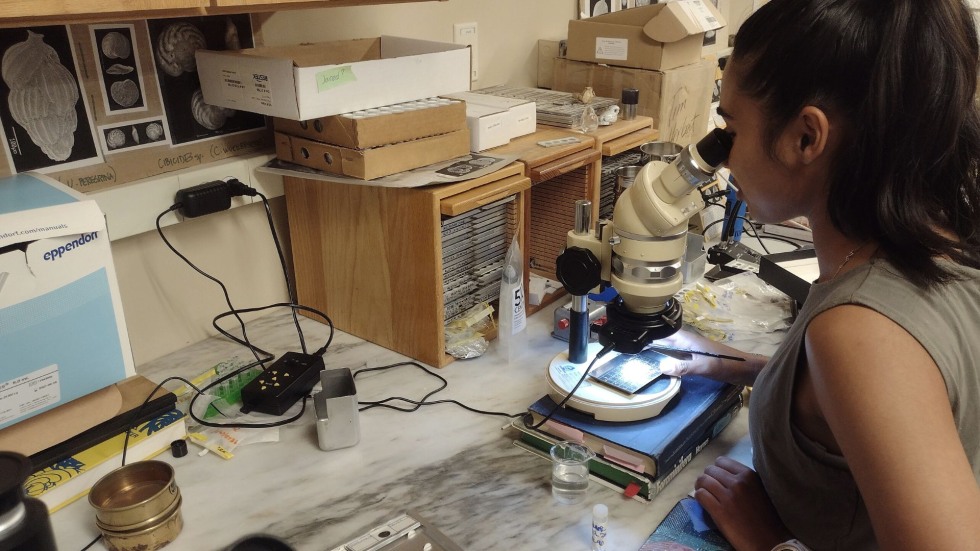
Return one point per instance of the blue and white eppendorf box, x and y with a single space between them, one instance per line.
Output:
62 332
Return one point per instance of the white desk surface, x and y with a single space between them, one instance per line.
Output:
458 469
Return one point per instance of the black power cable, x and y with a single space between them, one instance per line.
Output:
425 399
527 416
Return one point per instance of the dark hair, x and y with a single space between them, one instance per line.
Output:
900 76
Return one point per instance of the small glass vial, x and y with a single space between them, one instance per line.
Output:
600 521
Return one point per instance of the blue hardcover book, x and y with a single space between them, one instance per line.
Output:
701 409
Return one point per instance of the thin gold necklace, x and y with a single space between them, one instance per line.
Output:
846 260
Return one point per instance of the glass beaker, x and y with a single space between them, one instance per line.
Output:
570 471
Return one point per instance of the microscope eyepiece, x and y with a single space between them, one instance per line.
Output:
714 147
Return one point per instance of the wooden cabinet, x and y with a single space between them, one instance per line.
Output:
377 259
22 13
384 264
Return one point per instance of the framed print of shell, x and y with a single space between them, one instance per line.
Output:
42 109
120 75
174 42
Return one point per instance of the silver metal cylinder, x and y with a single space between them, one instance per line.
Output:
583 216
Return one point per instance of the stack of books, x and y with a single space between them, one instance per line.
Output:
638 458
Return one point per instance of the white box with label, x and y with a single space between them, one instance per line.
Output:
308 81
523 115
62 331
488 126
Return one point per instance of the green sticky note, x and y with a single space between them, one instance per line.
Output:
334 77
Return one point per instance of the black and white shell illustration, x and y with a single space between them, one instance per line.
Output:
43 94
232 42
209 116
115 46
119 69
125 92
115 138
176 46
154 131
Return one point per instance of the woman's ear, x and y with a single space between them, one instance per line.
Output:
812 131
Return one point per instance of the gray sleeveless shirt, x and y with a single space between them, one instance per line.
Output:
812 489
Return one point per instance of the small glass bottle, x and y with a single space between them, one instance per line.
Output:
600 528
24 522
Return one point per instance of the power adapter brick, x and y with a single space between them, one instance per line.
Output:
203 199
287 380
209 197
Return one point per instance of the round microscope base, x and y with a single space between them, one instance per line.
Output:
605 403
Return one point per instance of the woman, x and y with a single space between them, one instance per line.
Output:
861 115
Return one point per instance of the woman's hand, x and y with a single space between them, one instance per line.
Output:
731 371
738 504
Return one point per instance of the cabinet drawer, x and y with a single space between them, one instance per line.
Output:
483 195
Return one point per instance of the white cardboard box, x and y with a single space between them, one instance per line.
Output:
489 126
62 330
523 114
307 81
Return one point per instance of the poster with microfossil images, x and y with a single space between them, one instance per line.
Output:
120 75
131 135
44 114
174 42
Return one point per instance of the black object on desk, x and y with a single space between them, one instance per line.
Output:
33 531
774 273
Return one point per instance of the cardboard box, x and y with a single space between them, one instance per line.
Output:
739 11
488 127
375 162
381 126
307 81
62 329
658 36
678 100
522 114
548 50
717 41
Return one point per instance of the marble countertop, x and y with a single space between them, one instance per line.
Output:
457 469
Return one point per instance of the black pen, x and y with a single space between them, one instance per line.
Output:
698 352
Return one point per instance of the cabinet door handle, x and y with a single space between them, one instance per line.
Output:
483 195
564 165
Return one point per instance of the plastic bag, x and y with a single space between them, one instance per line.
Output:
589 121
511 317
738 308
466 337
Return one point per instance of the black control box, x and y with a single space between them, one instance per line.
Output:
289 379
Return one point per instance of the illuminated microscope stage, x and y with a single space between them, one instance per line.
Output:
605 403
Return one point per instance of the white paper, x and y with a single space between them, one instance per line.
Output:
458 169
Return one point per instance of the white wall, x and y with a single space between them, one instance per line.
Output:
167 304
508 29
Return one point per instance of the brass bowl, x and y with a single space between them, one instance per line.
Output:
152 521
149 537
135 495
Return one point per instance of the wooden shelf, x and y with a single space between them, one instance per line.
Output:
25 13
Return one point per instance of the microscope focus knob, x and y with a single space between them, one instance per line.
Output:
578 270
